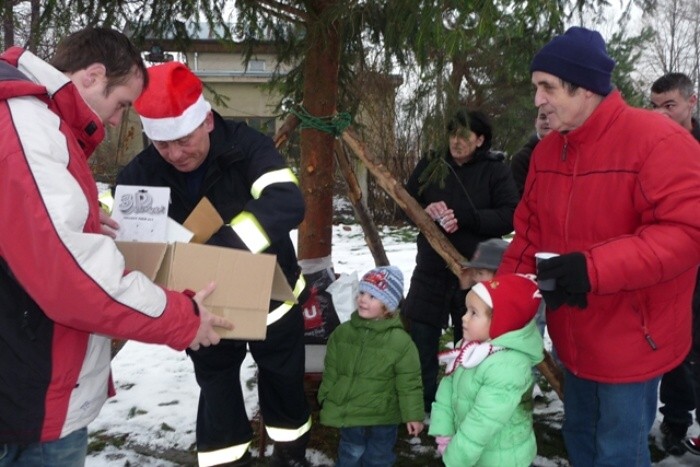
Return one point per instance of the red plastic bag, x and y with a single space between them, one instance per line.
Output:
313 313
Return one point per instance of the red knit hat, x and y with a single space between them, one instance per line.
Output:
514 299
172 106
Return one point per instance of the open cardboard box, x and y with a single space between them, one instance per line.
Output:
245 282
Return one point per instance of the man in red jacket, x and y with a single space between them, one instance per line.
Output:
614 191
63 288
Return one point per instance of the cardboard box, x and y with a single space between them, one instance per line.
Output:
245 282
203 222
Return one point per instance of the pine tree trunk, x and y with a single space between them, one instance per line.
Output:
321 69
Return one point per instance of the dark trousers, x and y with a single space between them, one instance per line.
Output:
221 417
677 395
679 392
427 340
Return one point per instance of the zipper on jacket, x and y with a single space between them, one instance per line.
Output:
569 202
354 371
645 328
648 338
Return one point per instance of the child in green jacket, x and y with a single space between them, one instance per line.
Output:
371 379
482 414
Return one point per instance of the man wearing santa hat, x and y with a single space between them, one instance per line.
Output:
197 153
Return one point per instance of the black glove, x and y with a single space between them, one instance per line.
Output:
558 297
553 298
571 276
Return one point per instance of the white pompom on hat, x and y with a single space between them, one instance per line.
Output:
172 106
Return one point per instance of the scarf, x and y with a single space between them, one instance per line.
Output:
468 354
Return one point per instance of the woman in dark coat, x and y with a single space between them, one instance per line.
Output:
474 202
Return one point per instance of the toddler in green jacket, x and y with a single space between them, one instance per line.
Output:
371 378
482 414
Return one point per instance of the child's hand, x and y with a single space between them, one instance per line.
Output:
442 442
414 428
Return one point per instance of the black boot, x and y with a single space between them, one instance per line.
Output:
291 453
672 436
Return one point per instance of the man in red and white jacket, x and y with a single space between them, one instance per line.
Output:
614 191
64 290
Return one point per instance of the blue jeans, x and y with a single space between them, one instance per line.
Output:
427 340
608 424
367 446
69 451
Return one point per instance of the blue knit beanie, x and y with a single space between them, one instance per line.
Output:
579 57
384 283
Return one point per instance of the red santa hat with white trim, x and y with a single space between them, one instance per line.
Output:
172 106
514 299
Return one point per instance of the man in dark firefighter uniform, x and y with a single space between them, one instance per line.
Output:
197 153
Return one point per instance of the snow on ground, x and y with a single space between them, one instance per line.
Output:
156 401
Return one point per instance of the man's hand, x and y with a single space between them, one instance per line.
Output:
571 276
108 226
206 335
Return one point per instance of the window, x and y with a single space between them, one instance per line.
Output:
256 66
265 125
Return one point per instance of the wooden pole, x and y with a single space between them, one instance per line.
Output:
372 239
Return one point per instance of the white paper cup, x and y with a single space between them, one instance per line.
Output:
548 284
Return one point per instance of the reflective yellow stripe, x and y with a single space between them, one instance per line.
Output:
285 435
106 200
250 232
281 310
277 313
299 286
222 456
276 176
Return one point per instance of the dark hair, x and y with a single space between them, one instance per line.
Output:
100 45
673 81
473 120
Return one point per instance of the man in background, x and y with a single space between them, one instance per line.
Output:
520 163
673 95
